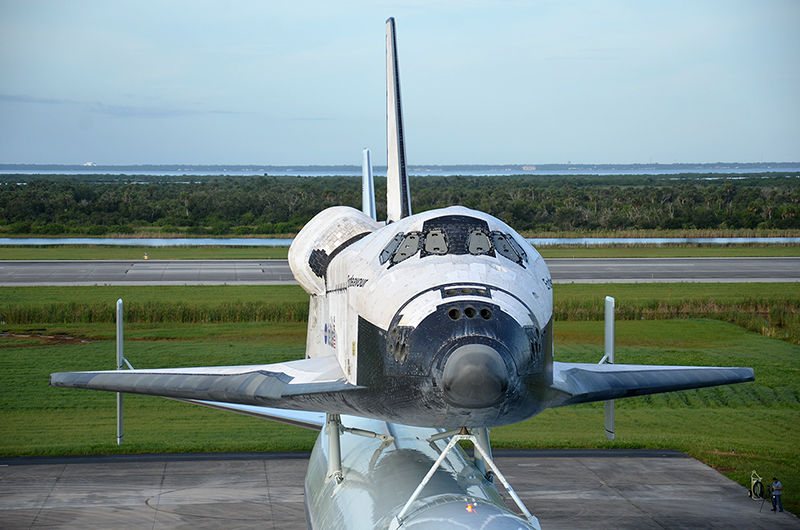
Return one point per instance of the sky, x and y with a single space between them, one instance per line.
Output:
482 81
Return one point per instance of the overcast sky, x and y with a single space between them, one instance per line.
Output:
483 82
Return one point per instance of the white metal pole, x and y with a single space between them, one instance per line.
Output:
609 356
120 360
609 349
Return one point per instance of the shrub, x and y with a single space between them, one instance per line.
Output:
97 230
120 229
19 228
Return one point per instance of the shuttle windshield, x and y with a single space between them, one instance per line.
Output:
453 234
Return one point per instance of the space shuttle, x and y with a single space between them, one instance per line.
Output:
423 330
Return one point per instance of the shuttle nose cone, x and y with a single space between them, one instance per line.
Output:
474 377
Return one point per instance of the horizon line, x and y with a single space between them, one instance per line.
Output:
523 166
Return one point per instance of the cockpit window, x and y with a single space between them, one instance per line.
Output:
386 253
517 247
456 235
408 247
503 247
436 242
479 242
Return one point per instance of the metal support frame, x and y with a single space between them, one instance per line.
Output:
608 419
482 436
442 435
120 360
367 434
333 423
334 429
397 522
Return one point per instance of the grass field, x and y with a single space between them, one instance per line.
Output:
75 252
772 310
736 429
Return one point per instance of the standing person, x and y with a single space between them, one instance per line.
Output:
777 488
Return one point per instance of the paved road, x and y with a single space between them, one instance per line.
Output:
273 272
634 270
566 489
146 272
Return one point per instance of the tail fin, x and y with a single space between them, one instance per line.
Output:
398 195
367 187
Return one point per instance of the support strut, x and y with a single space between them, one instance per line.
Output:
334 429
333 425
397 522
482 436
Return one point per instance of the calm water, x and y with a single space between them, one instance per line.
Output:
417 172
254 242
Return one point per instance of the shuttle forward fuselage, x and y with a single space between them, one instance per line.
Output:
444 317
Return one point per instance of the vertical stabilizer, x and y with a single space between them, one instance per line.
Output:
367 187
398 195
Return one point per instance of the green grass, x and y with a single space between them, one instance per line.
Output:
38 419
671 251
194 294
192 304
670 233
88 252
103 252
770 309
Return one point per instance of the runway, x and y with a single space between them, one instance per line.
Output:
565 489
276 272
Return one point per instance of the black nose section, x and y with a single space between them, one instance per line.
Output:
474 377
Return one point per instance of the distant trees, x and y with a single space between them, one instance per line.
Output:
281 205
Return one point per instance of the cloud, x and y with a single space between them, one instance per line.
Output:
135 111
15 98
120 111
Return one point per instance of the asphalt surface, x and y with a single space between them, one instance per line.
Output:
599 490
274 272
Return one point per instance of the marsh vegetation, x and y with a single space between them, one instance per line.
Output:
53 205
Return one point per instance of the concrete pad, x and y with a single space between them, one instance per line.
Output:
564 489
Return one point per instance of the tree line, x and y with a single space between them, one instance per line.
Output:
45 205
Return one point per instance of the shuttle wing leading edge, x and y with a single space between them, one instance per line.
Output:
583 383
260 385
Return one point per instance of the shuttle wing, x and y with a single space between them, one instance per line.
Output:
260 385
299 418
583 383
